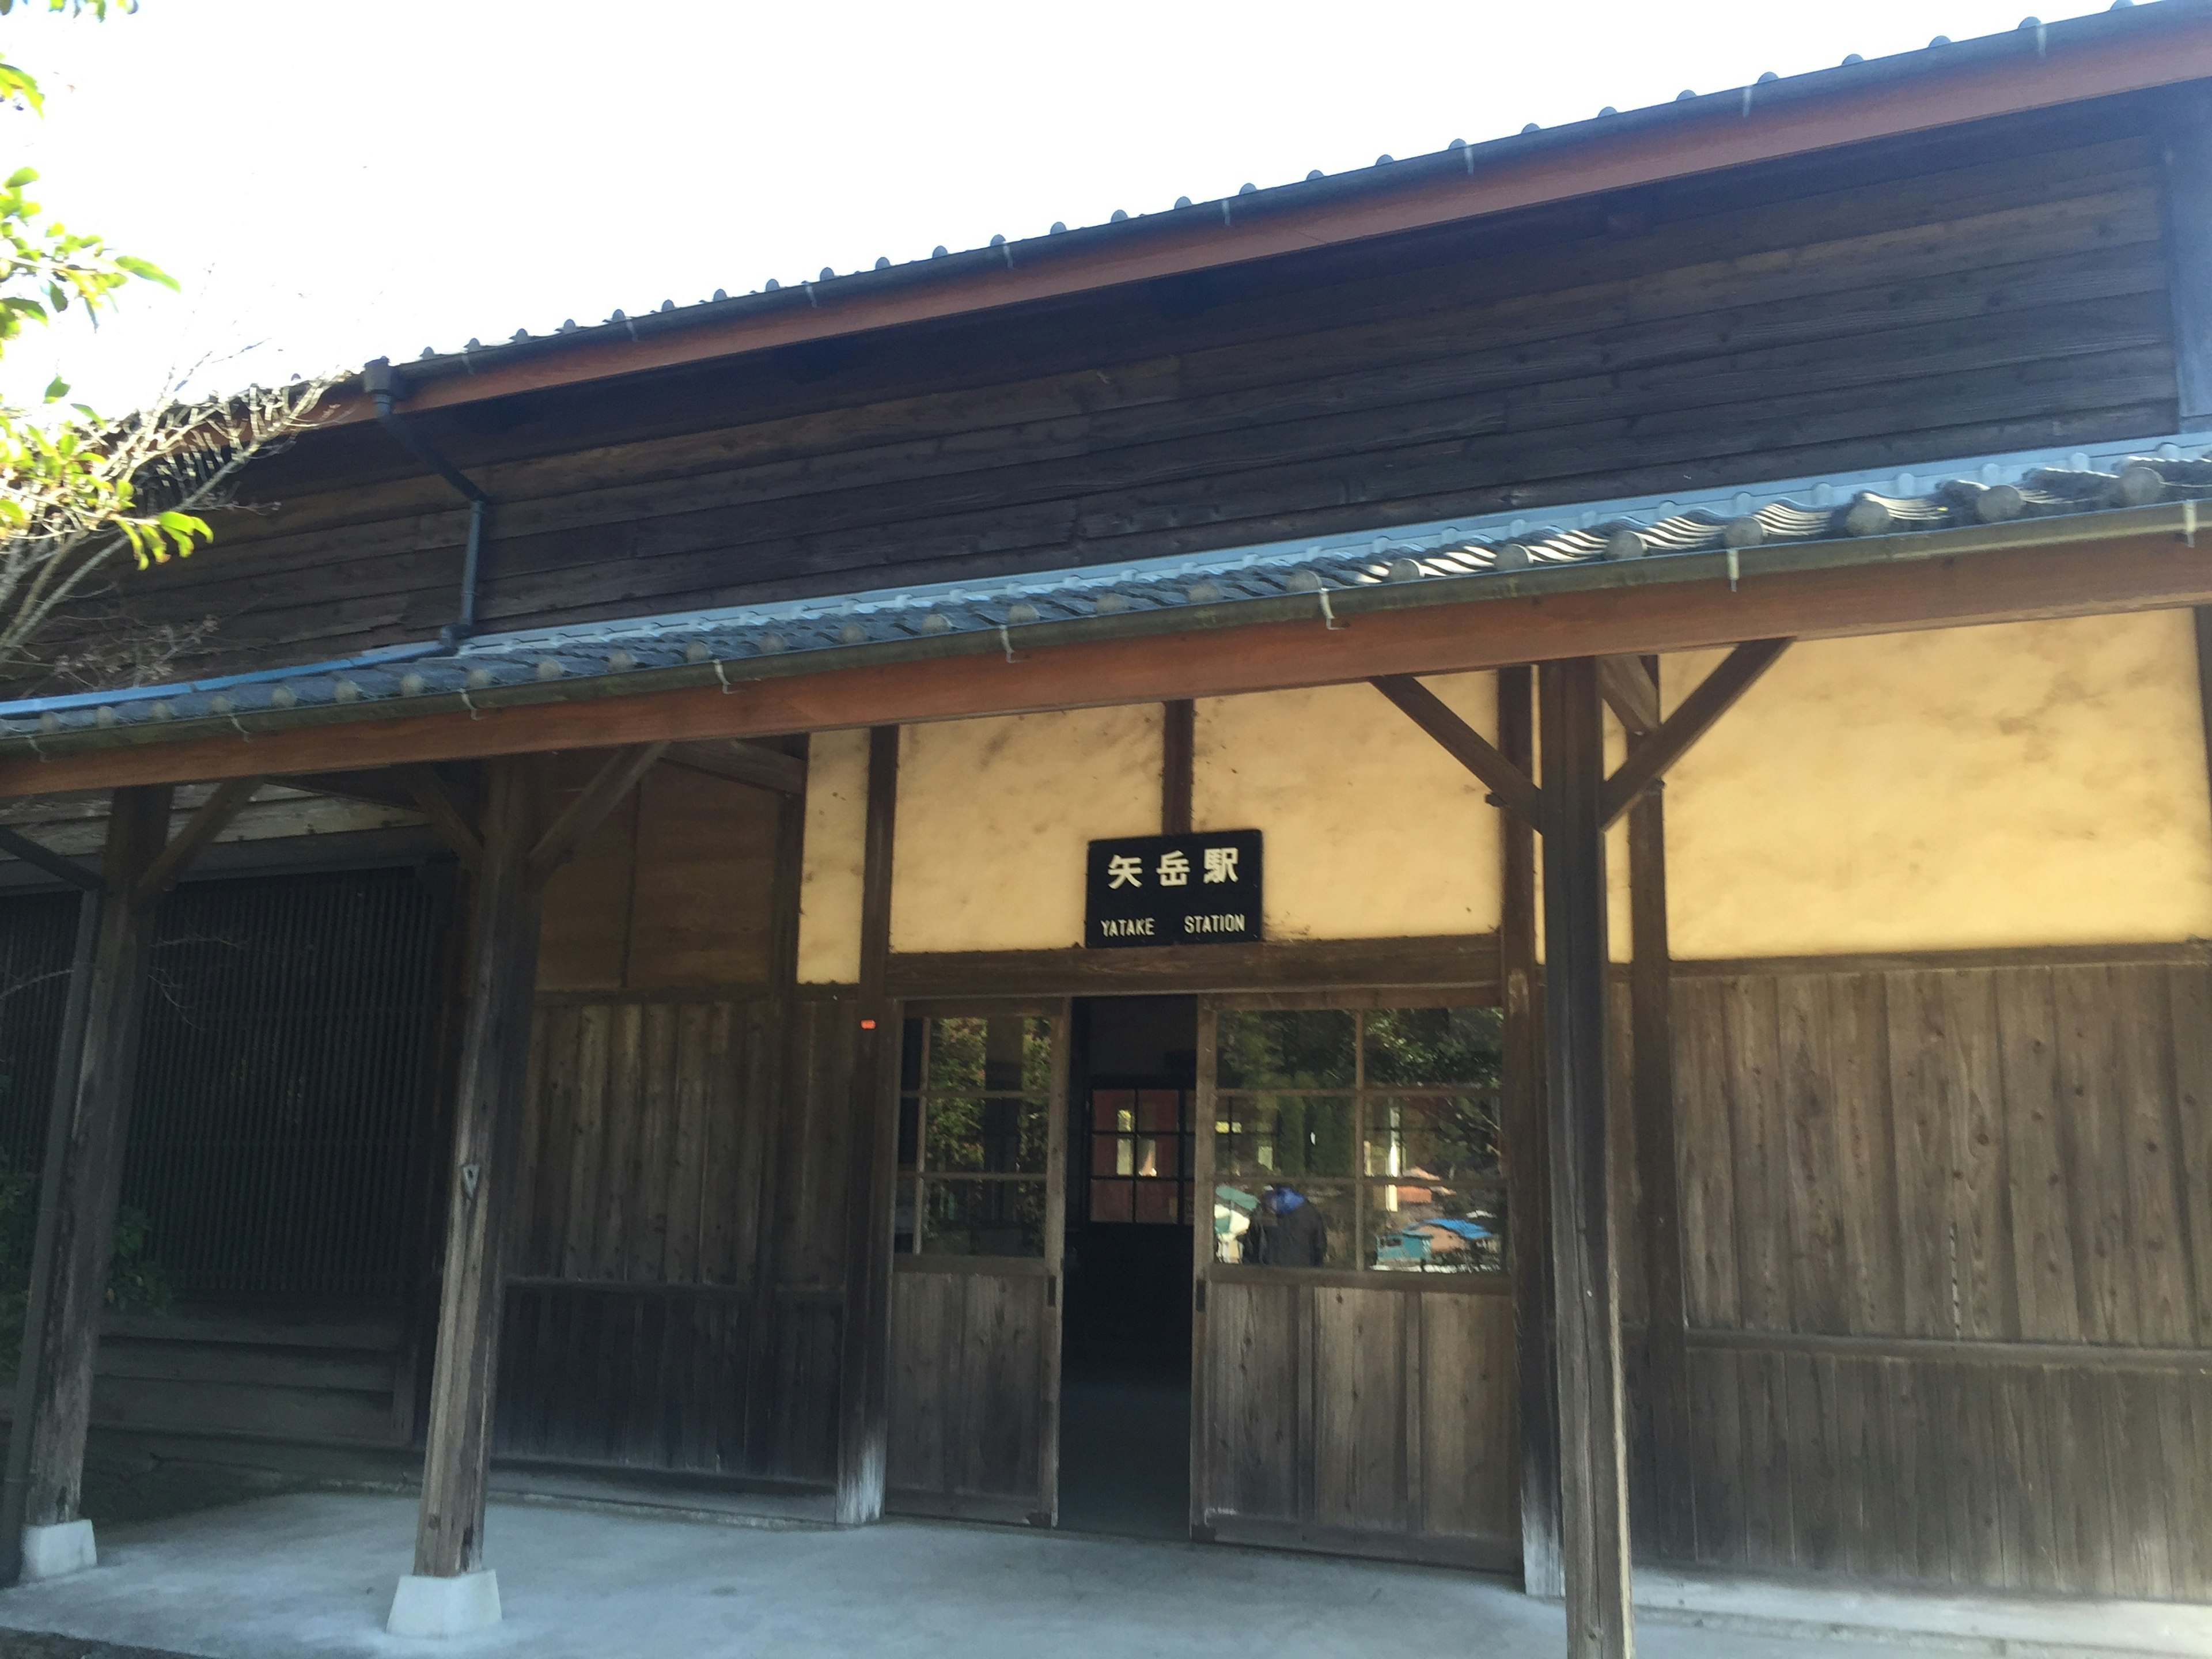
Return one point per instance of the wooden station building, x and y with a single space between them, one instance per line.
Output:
631 952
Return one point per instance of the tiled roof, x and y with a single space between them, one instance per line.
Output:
1588 540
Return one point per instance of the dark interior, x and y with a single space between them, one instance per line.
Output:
1125 1401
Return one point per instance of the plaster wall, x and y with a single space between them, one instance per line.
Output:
836 840
995 819
1373 831
2032 783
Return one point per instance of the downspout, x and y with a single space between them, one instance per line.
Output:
385 387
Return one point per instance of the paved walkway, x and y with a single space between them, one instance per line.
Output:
311 1573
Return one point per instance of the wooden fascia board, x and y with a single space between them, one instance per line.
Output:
2048 579
1613 157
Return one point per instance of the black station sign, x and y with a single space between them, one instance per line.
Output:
1173 890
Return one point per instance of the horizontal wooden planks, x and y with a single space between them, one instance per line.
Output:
1736 341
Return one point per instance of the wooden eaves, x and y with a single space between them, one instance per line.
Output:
2135 559
2027 70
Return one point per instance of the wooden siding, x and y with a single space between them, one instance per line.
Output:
1948 1242
1372 1420
1988 287
968 1376
677 1285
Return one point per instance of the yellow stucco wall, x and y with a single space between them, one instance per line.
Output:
1372 831
995 819
836 836
2034 783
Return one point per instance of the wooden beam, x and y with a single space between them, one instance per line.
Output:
427 791
487 1104
613 781
1178 764
213 816
1733 129
1651 1092
1631 692
1528 1163
81 1178
1586 1296
1454 961
2202 617
80 876
2184 133
1715 695
864 1392
1508 782
752 765
2151 571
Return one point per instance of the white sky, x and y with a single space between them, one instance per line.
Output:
333 181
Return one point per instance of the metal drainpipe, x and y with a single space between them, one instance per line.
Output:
385 387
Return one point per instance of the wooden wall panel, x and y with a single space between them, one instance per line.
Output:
1375 1419
968 1380
1945 1236
673 1304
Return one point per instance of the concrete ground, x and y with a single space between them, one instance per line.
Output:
311 1573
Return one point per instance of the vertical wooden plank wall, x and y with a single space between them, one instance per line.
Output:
1947 1262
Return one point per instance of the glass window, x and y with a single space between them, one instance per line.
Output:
1285 1048
1140 1156
974 1134
1363 1139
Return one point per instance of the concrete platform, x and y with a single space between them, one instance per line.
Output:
313 1573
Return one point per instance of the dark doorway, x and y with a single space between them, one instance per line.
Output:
1125 1393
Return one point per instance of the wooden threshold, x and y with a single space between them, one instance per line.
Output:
1985 580
1456 960
962 1506
1486 1554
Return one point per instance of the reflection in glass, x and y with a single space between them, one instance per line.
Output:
1009 1052
1283 1135
1285 1049
1405 1047
1452 1138
1430 1229
983 1218
1248 1232
1001 1136
902 1218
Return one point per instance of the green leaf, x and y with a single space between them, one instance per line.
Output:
57 389
20 177
147 270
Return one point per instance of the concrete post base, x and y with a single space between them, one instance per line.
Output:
444 1607
56 1552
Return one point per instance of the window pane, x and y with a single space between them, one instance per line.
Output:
1283 1135
1285 1049
1409 1047
902 1218
1432 1230
1009 1052
983 1218
1107 1106
909 1130
911 1054
1110 1201
1451 1137
1156 1201
1000 1136
1159 1111
1255 1225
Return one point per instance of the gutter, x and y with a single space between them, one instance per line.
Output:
384 384
1334 606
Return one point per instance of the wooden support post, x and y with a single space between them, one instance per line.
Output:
487 1104
1528 1168
864 1401
2184 132
81 1180
1665 1358
1592 1452
1178 764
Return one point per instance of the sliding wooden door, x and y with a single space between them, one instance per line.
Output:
1353 1385
974 1407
